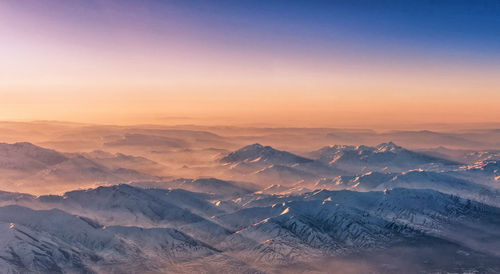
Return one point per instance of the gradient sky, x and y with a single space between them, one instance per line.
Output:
292 63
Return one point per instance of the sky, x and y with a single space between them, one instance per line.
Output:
284 63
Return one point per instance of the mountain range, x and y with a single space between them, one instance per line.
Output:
121 228
349 208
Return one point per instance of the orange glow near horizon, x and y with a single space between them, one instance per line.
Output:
136 76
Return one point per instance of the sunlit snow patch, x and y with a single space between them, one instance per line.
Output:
285 211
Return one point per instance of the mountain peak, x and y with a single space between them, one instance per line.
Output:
22 152
390 146
254 146
257 153
24 144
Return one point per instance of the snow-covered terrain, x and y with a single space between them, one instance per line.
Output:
384 157
273 212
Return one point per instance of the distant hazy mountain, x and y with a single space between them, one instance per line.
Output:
41 170
26 157
148 140
123 161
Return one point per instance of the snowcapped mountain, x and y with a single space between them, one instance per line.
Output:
460 155
332 222
446 182
262 164
305 230
126 228
257 155
57 242
124 204
484 172
386 157
424 210
130 206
